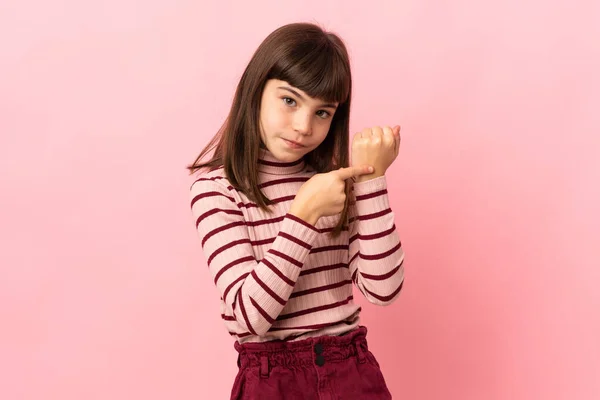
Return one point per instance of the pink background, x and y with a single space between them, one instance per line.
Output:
104 293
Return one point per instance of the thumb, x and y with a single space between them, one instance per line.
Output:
349 172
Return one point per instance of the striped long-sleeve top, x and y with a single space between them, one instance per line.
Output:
280 277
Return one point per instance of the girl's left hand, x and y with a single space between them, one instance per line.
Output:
377 147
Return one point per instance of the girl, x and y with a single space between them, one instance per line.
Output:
288 226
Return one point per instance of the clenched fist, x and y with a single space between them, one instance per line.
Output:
377 147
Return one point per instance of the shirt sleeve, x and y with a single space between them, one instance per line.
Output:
375 250
254 291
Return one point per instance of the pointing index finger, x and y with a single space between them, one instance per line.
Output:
349 172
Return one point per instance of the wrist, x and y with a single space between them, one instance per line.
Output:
364 178
304 212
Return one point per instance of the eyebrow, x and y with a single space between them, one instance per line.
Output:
289 89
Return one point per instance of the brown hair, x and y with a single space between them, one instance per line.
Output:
306 57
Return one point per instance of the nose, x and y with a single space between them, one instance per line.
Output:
302 123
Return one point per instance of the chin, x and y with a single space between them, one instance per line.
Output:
287 157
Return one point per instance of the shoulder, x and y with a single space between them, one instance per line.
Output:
211 181
214 179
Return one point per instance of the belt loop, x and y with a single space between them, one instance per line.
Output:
264 366
360 353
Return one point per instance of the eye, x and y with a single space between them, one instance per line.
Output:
289 101
323 114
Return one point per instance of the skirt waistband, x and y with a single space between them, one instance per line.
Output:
319 350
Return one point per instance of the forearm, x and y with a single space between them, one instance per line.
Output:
254 291
375 251
377 260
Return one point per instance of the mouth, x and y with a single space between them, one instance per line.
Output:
294 144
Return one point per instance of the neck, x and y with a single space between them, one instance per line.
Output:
268 164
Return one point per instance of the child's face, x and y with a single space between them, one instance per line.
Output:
288 115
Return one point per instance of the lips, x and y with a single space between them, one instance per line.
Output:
294 143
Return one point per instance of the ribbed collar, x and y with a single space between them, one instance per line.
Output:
268 164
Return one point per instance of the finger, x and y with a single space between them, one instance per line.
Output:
377 131
397 138
388 137
350 172
366 133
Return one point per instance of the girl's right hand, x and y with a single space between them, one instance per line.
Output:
324 194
